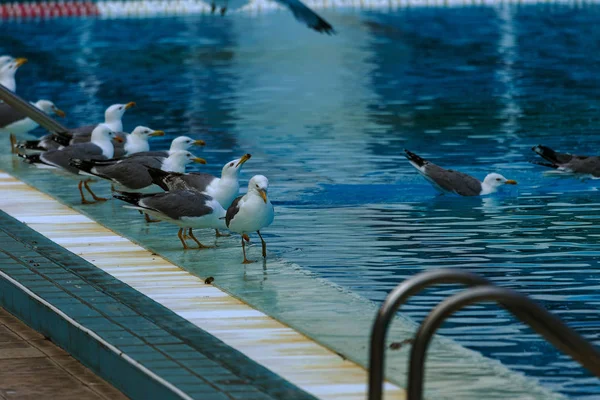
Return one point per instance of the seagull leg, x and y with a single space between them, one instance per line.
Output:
86 184
213 7
13 144
147 218
246 261
223 11
200 245
264 245
180 236
219 234
83 199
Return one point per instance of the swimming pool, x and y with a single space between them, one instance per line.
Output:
326 119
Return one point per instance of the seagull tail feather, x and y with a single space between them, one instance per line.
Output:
415 158
84 165
158 177
30 145
31 158
552 156
128 197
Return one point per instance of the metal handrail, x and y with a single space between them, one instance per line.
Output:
543 322
33 112
390 306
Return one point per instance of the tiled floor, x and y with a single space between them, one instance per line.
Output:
32 367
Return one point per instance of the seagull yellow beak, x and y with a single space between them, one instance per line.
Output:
118 139
245 158
199 160
129 105
510 182
263 194
157 133
20 61
199 142
59 112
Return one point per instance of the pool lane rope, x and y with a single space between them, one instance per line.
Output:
149 8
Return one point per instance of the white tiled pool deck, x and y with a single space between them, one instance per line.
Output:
303 362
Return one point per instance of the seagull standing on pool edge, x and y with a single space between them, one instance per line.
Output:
251 212
450 181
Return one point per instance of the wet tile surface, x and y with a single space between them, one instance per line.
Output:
194 335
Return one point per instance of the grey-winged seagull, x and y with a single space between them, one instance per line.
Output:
15 122
100 146
179 143
300 10
112 119
450 181
251 212
224 189
187 209
131 174
583 165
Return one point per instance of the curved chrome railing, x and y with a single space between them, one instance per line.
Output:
532 314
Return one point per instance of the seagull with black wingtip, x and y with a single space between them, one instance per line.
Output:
100 146
565 162
223 189
112 119
187 209
251 212
450 181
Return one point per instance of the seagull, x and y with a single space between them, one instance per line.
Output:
301 12
112 119
131 174
187 209
100 146
16 122
251 212
450 181
224 189
179 143
136 141
8 71
583 165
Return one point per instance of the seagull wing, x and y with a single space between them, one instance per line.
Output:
308 16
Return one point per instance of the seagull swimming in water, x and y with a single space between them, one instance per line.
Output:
251 212
450 181
580 165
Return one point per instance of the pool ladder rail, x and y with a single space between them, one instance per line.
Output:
480 290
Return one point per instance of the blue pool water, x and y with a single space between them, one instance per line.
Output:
327 118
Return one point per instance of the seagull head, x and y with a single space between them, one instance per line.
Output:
180 158
48 107
116 111
7 73
104 133
494 181
143 132
258 185
232 168
184 143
